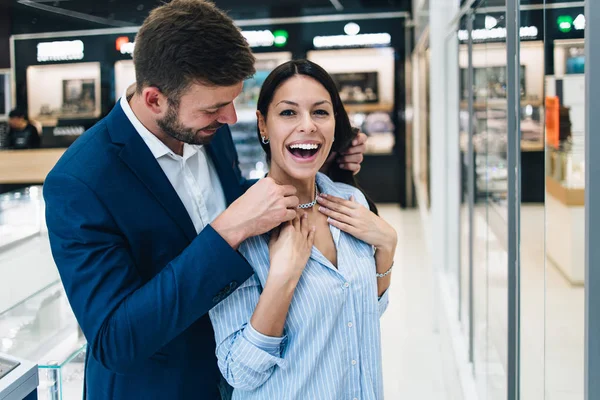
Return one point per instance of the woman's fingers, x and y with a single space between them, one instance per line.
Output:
274 234
342 226
311 237
296 223
304 225
337 216
336 204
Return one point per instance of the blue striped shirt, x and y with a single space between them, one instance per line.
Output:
331 348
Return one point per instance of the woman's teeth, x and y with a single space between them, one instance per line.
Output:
305 146
304 150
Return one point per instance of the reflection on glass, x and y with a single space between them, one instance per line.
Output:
564 200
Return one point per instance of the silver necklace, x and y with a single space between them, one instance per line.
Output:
312 203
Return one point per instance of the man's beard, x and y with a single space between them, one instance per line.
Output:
171 126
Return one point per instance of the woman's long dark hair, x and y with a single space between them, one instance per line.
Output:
344 133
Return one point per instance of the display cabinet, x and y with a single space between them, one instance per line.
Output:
43 329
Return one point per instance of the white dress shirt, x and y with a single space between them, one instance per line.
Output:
193 175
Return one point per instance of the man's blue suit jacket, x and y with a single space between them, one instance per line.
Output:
138 277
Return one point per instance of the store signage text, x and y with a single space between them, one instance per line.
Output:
526 32
264 38
566 23
364 40
68 131
124 46
60 51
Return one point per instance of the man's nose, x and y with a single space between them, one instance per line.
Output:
228 115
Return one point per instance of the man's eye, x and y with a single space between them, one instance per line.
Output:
210 111
287 113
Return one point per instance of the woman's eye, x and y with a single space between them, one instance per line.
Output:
322 112
287 113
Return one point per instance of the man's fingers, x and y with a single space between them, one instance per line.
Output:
359 149
288 190
290 215
351 159
291 202
354 168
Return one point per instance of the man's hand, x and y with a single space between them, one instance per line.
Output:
351 158
263 207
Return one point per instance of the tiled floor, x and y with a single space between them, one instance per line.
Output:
418 363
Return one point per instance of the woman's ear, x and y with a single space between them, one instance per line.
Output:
262 125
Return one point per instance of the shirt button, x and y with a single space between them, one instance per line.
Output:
349 324
353 362
346 285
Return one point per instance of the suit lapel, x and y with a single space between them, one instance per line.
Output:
138 157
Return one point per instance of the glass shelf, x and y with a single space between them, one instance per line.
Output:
43 329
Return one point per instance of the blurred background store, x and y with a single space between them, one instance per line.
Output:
478 125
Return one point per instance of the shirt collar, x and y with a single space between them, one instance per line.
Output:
158 148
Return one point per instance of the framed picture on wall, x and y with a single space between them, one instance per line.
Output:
79 96
358 87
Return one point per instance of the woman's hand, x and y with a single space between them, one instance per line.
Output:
290 248
358 221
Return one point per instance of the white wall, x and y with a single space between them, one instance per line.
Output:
44 84
361 60
124 76
494 55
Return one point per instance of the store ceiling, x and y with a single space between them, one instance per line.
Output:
133 12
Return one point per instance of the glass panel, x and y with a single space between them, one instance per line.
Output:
564 200
467 169
532 51
489 221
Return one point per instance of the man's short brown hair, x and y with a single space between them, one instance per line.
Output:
190 41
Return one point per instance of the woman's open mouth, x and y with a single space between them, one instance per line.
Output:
304 152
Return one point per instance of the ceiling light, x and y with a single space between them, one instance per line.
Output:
352 28
490 22
579 23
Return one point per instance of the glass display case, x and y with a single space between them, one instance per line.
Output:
20 215
43 329
36 320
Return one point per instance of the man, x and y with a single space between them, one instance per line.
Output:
137 211
22 134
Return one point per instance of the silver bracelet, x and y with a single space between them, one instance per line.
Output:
386 273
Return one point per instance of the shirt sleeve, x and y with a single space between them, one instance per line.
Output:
246 357
383 302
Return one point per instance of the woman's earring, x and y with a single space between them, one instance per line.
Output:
264 139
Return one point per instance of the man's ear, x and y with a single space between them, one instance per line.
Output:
154 100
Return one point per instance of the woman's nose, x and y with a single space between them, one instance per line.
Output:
307 125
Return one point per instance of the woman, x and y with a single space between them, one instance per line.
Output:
306 324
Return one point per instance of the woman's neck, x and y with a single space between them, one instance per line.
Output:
305 187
